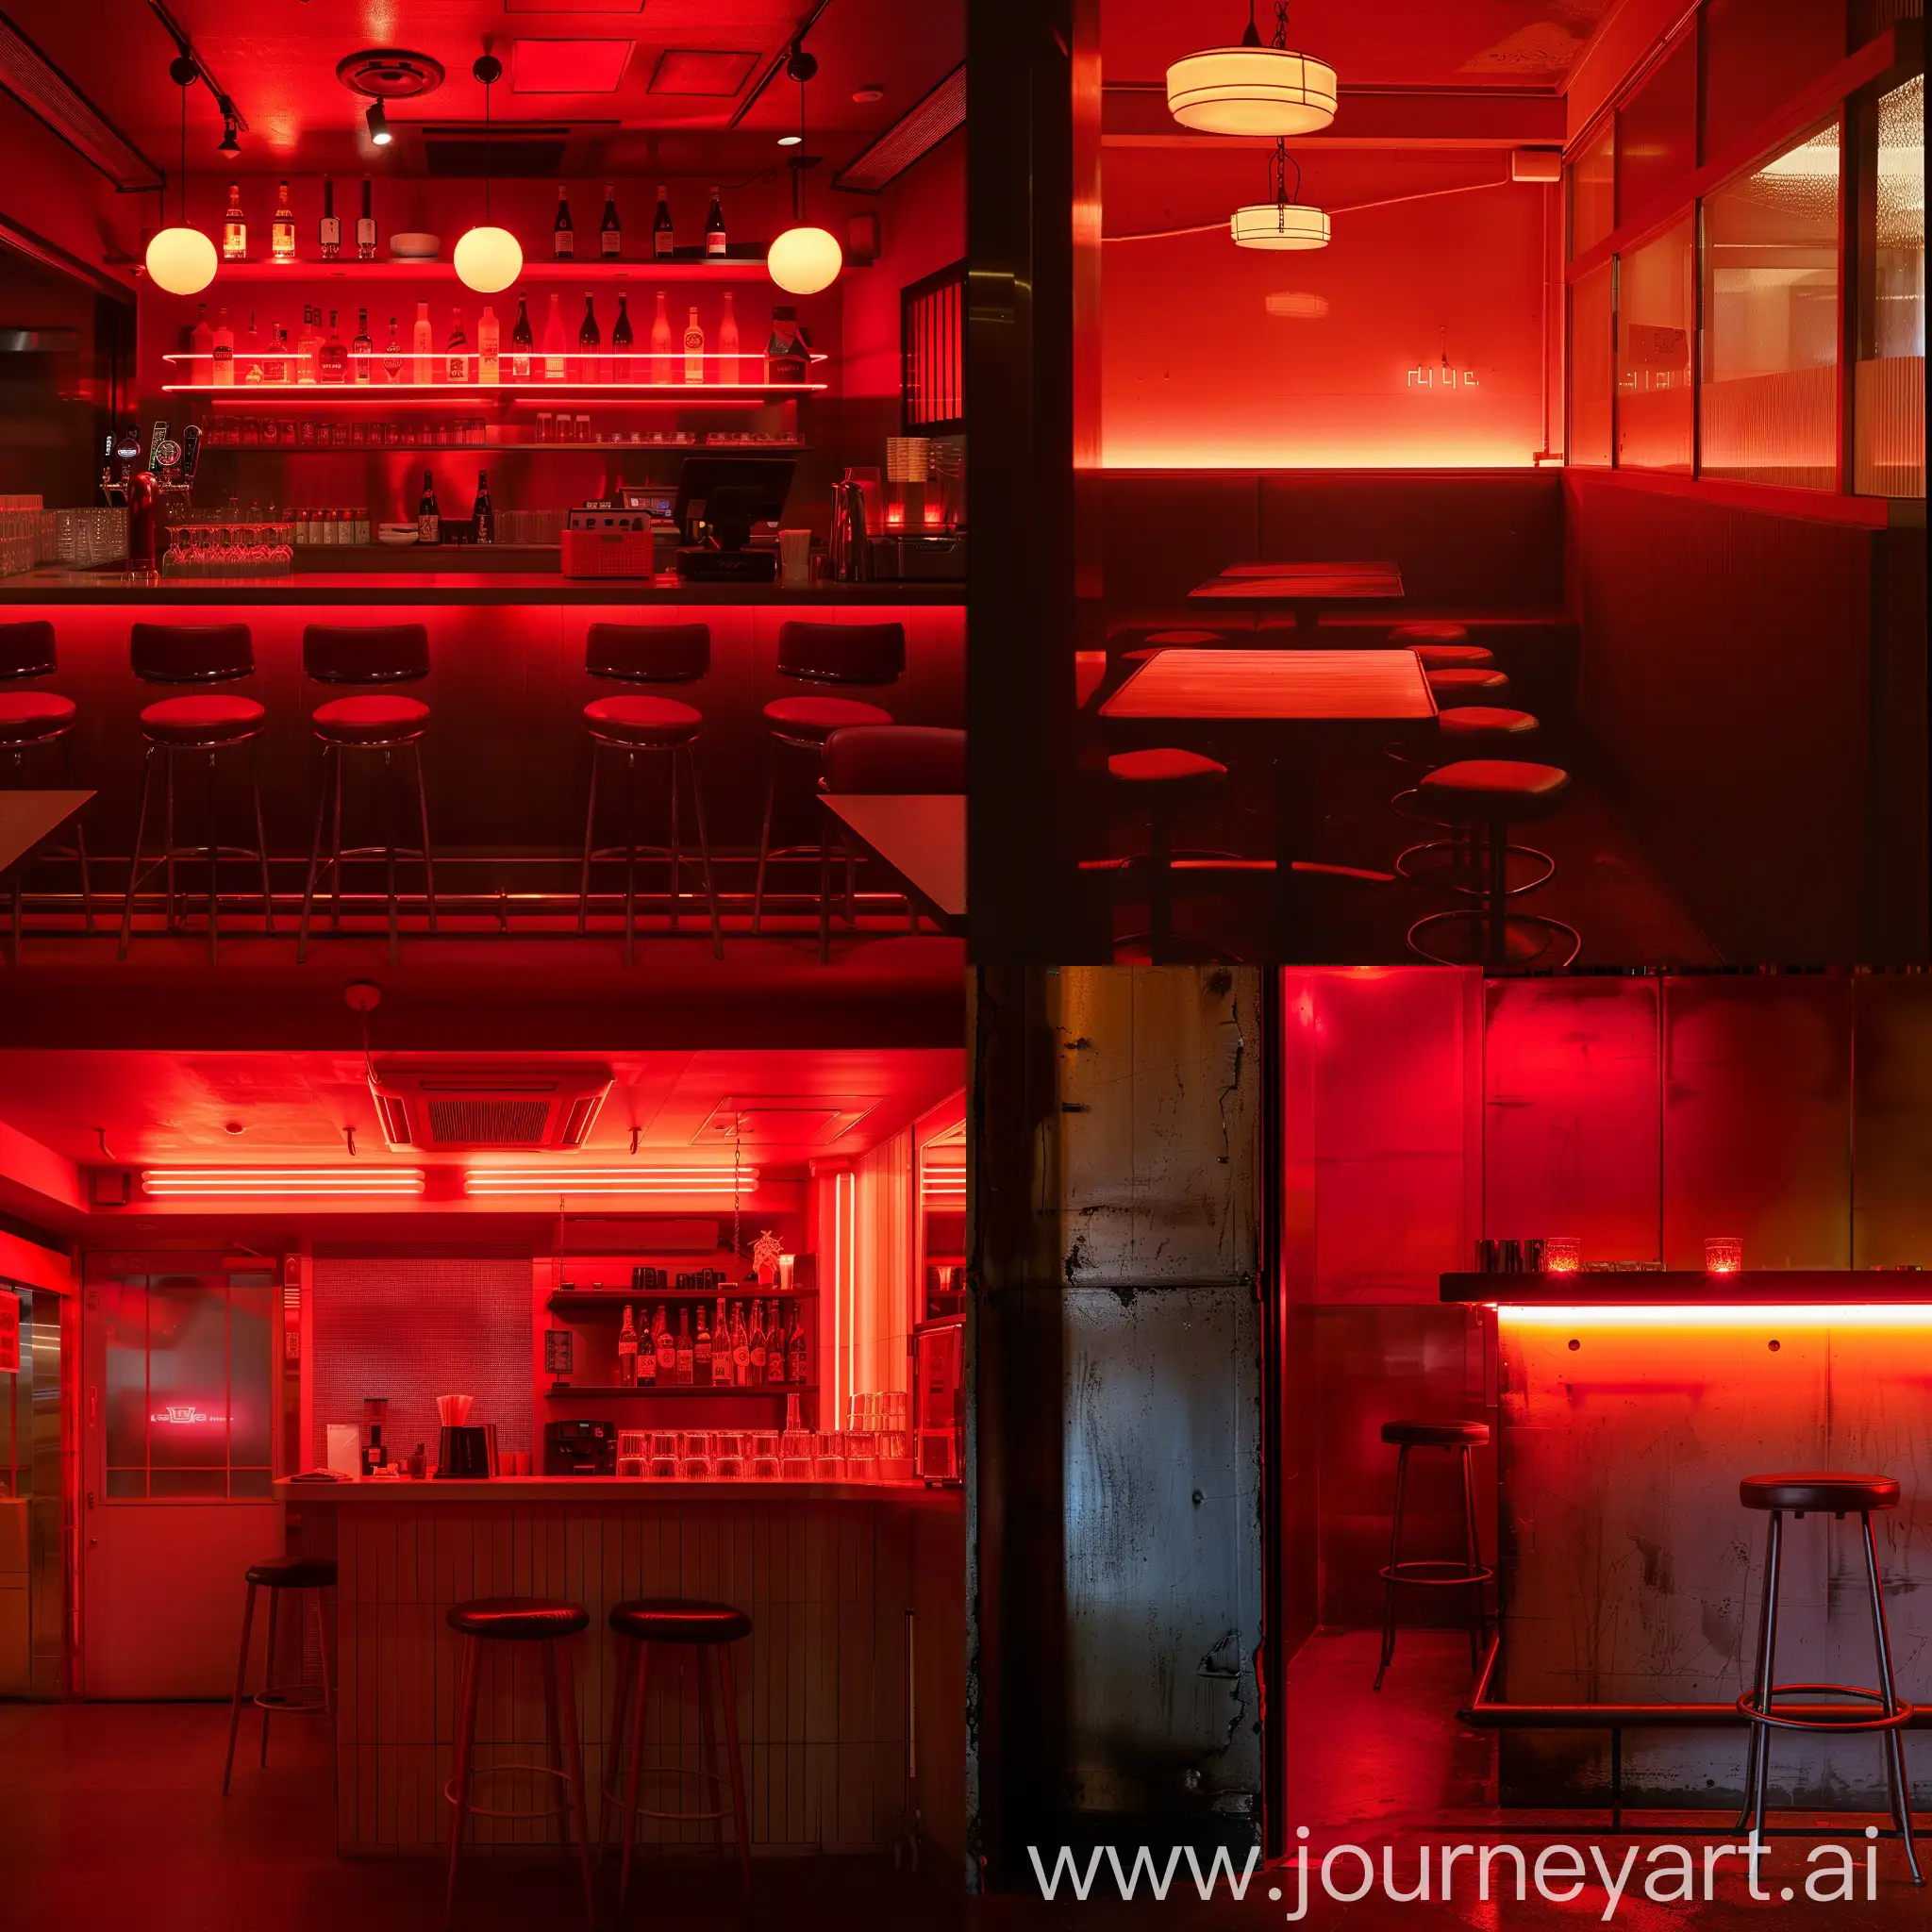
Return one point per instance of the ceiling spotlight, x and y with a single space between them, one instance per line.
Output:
379 124
869 94
231 142
792 140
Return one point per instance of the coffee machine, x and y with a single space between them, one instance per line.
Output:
581 1446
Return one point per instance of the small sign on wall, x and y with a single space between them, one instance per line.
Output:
558 1351
9 1332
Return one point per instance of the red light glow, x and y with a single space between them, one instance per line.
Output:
280 1183
709 1183
1724 1315
186 1413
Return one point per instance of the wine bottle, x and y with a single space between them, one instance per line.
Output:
623 368
521 342
392 356
422 346
714 226
485 511
328 231
797 1364
775 1349
361 350
756 1343
365 227
666 1347
701 1352
722 1376
457 361
309 348
740 1347
609 235
627 1352
563 236
428 519
648 1357
488 340
686 1366
729 369
555 363
281 233
201 345
333 363
275 362
694 349
234 227
660 342
583 365
251 353
661 244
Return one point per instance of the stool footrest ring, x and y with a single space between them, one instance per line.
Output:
1433 1572
1895 1720
294 1700
483 1771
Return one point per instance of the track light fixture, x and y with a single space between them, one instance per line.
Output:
379 124
231 142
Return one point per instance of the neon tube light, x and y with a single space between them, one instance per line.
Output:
1724 1315
259 1183
709 1182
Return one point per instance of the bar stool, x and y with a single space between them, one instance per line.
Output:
1454 657
1151 644
1434 630
1489 795
1159 781
1422 1572
1467 684
823 654
195 654
383 654
702 1631
544 1621
1842 1495
913 761
641 654
36 721
311 1575
1472 731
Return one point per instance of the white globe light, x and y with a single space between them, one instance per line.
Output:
804 261
181 260
1251 91
1279 224
489 261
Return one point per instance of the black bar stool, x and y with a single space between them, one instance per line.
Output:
830 655
1159 780
1472 731
913 761
703 1632
1489 795
548 1622
311 1575
1800 1494
1471 1574
204 727
641 654
385 721
36 721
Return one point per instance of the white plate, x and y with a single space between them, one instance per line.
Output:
399 536
413 248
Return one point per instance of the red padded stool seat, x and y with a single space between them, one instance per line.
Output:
1163 765
1464 684
1479 721
518 1619
679 1620
1436 1435
1495 787
213 719
656 722
1811 1490
1450 864
384 720
1454 657
812 720
28 715
296 1572
1433 631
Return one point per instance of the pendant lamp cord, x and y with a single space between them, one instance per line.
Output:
1278 168
486 151
184 163
1281 24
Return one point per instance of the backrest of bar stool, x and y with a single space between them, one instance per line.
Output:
648 652
842 653
911 759
365 652
190 653
26 650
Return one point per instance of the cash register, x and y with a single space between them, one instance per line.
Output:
719 502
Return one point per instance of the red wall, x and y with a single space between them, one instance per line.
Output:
1197 374
923 228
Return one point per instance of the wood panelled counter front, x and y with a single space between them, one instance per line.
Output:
855 1594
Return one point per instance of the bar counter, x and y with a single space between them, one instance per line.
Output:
855 1594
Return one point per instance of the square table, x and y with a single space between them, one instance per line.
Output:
1282 700
1303 588
920 838
29 821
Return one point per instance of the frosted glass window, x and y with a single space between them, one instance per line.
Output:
1593 190
1656 312
1770 397
1888 435
1589 366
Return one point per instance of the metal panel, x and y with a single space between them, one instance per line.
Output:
1892 1120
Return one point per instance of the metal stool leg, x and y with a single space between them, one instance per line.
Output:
322 811
389 849
459 1783
335 861
634 1773
1394 1558
825 900
630 860
676 845
613 1742
757 897
561 1664
1478 1622
423 817
268 1669
708 1736
168 791
590 828
87 897
1758 1778
268 897
147 772
1894 1740
215 926
730 1693
241 1681
1159 883
697 807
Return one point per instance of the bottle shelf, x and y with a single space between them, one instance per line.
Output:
745 263
618 1300
494 449
681 1389
390 393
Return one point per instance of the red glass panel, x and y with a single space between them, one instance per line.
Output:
1656 134
1593 188
1655 317
1757 53
1589 366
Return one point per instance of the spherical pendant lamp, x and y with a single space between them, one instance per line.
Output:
804 258
182 259
488 259
1251 89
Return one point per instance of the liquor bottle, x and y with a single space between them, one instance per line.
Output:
722 1376
757 1345
563 237
328 231
729 365
361 351
661 245
234 227
422 346
685 1367
623 368
489 338
647 1359
701 1353
776 1349
365 227
457 363
251 353
275 361
428 519
740 1347
281 232
609 235
694 349
521 342
485 511
714 226
309 348
583 365
201 345
796 1366
334 363
392 356
660 342
222 352
556 364
667 1349
628 1352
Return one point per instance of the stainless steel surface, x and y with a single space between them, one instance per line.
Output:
849 548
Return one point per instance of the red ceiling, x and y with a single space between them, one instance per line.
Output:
1391 43
277 61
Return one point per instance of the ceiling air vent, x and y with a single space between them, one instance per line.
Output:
526 152
454 1108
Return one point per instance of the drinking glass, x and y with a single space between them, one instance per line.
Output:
660 1454
1562 1254
862 1450
795 1456
694 1454
727 1455
1724 1254
764 1456
827 1457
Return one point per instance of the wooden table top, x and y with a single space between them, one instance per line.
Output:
1292 583
29 819
1283 687
922 835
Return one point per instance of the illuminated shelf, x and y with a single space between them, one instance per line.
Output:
492 449
1688 1287
557 1389
688 265
402 392
614 1300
